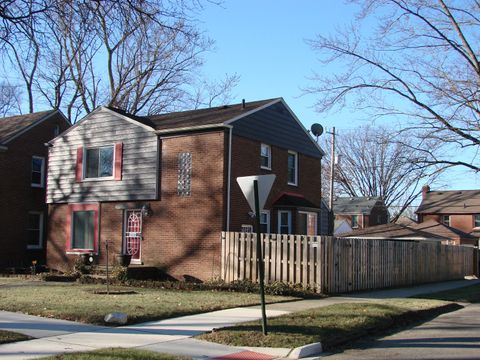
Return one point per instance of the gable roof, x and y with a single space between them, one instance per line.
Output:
13 126
295 200
356 205
450 202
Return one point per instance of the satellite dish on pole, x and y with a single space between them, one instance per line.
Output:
316 130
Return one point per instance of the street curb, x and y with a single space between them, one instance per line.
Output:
306 351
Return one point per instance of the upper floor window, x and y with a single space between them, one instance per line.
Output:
266 157
446 220
476 220
292 168
35 230
354 221
38 171
99 162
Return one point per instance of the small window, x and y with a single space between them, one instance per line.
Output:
38 171
292 168
354 221
265 222
184 181
446 220
247 228
266 157
284 222
35 230
56 131
99 162
476 220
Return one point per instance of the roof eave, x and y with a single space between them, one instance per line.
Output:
191 128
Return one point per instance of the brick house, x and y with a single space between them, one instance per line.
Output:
458 209
162 188
23 157
360 212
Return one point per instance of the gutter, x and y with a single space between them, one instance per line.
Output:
191 128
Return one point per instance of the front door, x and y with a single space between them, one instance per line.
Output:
133 235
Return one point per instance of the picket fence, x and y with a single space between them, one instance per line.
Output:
337 265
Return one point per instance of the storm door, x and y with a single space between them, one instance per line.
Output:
133 235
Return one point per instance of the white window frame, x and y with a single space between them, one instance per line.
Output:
40 228
42 172
289 218
267 213
85 165
294 153
269 156
307 213
246 228
446 220
475 221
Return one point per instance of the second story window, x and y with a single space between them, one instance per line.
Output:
38 171
99 162
476 220
354 221
292 168
266 157
446 220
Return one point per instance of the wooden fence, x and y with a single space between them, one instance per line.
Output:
337 265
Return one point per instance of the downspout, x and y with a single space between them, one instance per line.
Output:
229 174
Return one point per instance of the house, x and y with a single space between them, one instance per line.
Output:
341 227
360 212
458 209
429 230
23 157
162 188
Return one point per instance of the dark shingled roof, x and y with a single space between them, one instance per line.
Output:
450 202
10 126
199 117
355 205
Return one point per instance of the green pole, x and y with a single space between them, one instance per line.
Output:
261 265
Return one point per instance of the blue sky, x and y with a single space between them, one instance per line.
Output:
264 42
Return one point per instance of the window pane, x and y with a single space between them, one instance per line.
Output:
33 231
106 162
354 221
292 168
83 229
92 163
477 221
37 164
302 224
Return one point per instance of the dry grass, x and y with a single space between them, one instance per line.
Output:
115 354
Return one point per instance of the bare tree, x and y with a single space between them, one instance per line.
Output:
215 93
421 62
375 161
9 99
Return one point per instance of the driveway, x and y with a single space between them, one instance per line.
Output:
454 335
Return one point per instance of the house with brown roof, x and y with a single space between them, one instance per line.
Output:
360 212
162 188
23 164
457 209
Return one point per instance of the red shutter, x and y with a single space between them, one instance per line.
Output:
79 165
118 161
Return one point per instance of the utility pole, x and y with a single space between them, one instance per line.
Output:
332 173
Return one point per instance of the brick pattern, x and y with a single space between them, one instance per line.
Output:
18 197
246 162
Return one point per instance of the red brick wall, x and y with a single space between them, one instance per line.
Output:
246 161
463 222
17 195
182 235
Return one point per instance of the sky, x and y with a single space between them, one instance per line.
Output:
264 42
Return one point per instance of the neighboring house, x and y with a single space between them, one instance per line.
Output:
341 227
459 209
23 164
360 212
429 230
162 188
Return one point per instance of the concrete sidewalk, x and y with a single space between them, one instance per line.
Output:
172 335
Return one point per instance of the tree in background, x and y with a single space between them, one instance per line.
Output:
376 161
142 56
420 63
9 100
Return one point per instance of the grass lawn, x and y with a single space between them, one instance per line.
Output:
468 294
115 354
78 302
9 336
331 325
